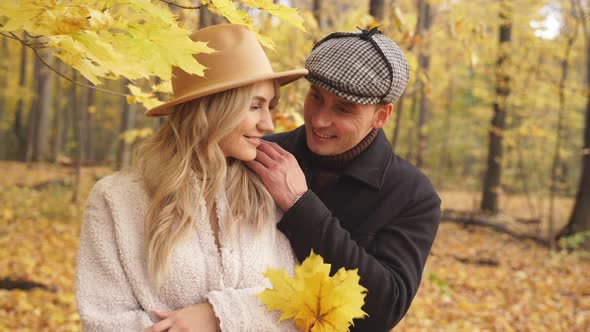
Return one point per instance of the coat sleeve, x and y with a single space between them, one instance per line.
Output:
241 310
391 265
104 296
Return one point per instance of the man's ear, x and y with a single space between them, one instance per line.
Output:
382 115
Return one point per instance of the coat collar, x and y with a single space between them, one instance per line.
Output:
369 167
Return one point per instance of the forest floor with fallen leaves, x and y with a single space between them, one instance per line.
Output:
476 279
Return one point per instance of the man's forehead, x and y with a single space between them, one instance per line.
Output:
336 98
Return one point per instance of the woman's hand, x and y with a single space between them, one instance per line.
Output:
198 317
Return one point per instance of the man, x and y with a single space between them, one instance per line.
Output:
344 192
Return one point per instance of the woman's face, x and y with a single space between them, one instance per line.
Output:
241 144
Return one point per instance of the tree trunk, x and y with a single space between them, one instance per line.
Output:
33 118
68 118
3 79
444 152
398 121
127 123
317 13
376 9
422 27
160 120
208 18
59 116
5 54
81 122
410 139
580 218
88 138
78 151
423 117
492 180
45 105
556 153
19 113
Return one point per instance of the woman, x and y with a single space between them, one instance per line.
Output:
181 241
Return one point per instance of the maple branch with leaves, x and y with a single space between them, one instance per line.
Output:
36 52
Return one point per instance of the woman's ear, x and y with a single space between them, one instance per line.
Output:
382 115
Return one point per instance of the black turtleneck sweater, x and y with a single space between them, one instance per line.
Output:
326 169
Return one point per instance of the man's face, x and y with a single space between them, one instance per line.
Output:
334 125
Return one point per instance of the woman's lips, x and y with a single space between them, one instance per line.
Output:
252 139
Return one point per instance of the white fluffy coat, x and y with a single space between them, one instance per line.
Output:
113 291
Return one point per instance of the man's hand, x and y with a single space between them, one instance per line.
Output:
280 173
198 317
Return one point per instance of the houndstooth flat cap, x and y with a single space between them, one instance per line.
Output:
364 67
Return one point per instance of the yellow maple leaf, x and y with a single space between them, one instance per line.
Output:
228 9
314 300
287 14
147 99
18 14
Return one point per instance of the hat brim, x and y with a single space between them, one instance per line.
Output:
283 78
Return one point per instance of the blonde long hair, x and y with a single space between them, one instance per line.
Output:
185 147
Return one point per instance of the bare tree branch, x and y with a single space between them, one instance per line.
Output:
470 218
31 36
35 44
76 82
11 36
171 3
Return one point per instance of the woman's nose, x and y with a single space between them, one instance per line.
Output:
265 123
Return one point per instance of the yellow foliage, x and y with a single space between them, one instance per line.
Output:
131 39
7 214
108 39
147 99
314 300
132 135
398 19
282 12
164 87
287 121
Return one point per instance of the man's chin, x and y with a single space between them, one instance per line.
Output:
321 151
318 148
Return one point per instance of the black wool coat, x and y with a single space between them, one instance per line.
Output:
380 217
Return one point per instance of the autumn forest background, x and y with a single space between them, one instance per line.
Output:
497 114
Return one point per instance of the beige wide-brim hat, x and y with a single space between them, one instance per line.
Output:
239 60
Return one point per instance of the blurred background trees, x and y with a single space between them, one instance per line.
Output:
497 104
497 113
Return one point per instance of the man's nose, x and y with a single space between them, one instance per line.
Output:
321 118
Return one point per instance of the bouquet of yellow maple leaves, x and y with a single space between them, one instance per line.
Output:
315 300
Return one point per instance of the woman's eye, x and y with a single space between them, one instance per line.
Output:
343 110
255 107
